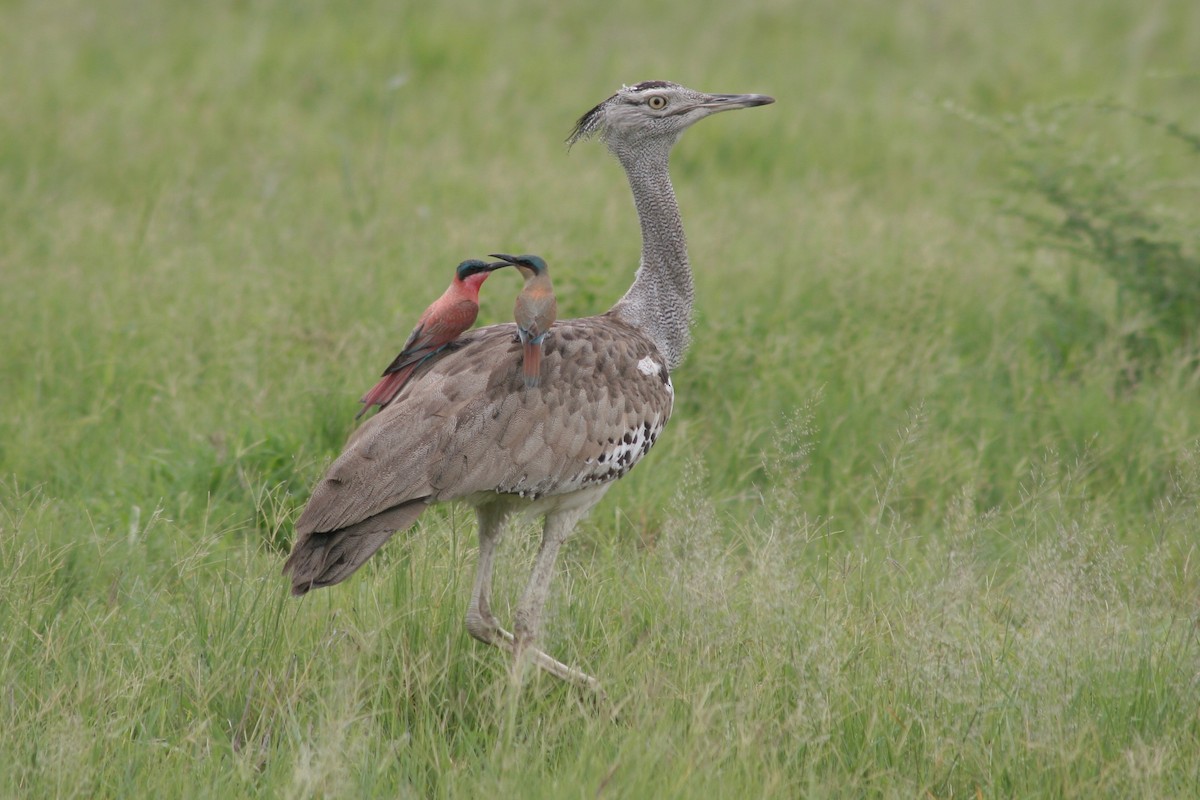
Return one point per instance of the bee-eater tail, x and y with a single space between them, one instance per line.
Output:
533 364
385 391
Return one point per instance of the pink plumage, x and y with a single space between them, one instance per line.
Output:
443 322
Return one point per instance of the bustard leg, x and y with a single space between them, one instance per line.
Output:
480 622
482 625
528 620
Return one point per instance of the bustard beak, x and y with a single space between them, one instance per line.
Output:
728 102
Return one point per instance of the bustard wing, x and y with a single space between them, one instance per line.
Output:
467 424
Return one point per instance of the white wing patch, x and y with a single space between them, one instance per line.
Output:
648 366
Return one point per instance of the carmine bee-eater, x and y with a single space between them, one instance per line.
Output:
535 311
444 320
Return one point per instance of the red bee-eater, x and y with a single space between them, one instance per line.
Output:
442 322
535 311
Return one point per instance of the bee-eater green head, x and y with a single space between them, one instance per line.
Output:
534 264
473 266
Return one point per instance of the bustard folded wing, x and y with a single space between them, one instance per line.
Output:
468 424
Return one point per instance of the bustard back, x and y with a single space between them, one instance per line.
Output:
469 430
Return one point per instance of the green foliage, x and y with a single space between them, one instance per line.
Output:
1122 204
923 523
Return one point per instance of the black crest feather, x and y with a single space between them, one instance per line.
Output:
586 125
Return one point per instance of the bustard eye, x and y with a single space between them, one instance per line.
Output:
657 102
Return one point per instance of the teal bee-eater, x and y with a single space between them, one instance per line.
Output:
443 322
535 311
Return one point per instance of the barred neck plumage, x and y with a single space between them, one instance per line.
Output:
659 303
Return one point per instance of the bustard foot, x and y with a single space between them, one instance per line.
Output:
484 627
524 652
487 630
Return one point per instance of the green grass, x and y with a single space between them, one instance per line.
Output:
924 521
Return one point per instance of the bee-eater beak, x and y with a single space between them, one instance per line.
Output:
507 258
495 265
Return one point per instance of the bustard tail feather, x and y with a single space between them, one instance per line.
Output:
323 559
533 363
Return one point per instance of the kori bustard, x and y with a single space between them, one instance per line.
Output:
468 428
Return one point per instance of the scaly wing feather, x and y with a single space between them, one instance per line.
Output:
468 425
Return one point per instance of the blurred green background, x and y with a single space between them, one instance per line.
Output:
947 292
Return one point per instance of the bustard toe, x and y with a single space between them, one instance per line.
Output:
486 629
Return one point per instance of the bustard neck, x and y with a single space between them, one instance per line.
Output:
659 302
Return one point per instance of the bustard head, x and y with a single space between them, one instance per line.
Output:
528 265
654 112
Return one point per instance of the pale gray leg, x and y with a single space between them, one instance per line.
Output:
482 625
528 620
480 622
